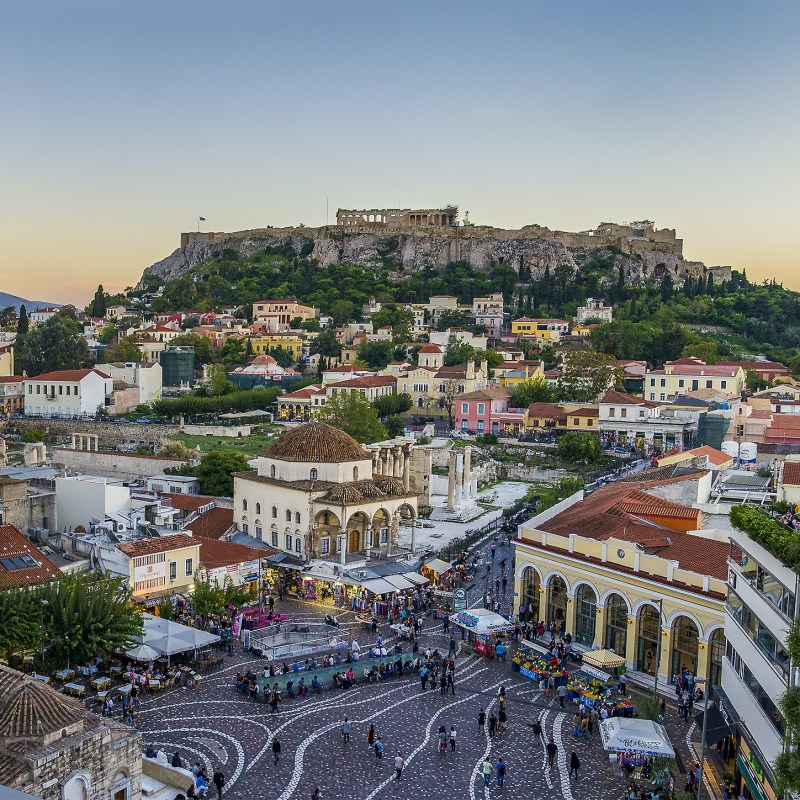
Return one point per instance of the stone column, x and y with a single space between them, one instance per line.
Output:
395 530
389 463
451 481
343 549
459 478
72 445
368 534
467 472
398 462
407 468
413 535
599 626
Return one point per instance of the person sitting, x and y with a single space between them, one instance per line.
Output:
337 680
351 676
315 685
201 785
290 688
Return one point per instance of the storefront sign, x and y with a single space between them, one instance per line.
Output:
149 572
596 673
466 620
753 772
529 673
460 600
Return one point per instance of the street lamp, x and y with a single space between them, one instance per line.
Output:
660 604
43 603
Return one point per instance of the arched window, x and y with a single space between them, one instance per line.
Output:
297 517
272 471
648 628
313 474
684 645
244 505
355 473
616 634
529 605
288 515
274 512
258 508
585 614
557 601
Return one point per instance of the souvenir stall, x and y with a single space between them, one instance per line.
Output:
635 741
590 687
437 572
605 660
483 629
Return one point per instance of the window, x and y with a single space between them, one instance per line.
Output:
274 512
355 473
313 474
652 395
288 542
384 535
662 397
465 408
188 568
324 546
19 562
663 381
298 545
652 381
481 408
612 412
288 515
623 412
274 538
272 471
173 570
589 423
245 528
258 508
480 426
259 532
244 505
724 384
709 384
297 517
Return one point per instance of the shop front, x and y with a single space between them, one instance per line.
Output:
753 779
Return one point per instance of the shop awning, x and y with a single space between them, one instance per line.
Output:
415 577
626 735
602 659
399 581
481 621
717 728
378 586
437 565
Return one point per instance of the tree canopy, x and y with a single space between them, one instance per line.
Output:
56 344
533 390
352 413
587 375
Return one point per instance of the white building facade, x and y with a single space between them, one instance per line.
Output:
67 393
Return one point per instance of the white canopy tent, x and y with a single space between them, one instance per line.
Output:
627 735
167 638
142 652
481 621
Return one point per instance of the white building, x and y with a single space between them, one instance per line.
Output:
67 393
317 493
756 673
42 315
594 310
146 377
85 499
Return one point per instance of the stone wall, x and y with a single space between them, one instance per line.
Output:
110 433
111 464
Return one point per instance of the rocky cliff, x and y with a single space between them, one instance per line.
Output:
643 250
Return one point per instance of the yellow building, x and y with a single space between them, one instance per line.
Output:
162 566
6 359
690 375
510 379
278 315
623 570
550 330
584 419
264 342
584 330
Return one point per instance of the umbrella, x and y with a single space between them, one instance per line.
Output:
170 644
622 734
142 652
603 659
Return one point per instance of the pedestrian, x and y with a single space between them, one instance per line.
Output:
276 750
481 720
452 739
552 750
346 731
315 795
446 624
398 765
451 682
562 693
176 760
501 721
371 736
487 772
574 764
536 728
623 684
219 781
442 740
378 750
501 772
492 725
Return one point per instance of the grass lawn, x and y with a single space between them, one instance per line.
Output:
248 445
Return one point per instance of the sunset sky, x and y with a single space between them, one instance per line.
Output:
121 122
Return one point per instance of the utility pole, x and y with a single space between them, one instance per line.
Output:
660 603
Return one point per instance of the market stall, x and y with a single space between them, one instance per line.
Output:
528 661
635 741
435 569
484 629
606 660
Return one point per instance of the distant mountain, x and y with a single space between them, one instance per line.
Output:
7 300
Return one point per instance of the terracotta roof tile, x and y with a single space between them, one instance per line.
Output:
71 375
161 544
218 553
188 502
212 525
315 441
791 473
584 412
14 545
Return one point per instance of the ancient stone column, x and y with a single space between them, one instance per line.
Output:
451 481
407 468
395 530
467 477
398 461
459 478
343 549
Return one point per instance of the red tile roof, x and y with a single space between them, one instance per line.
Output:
621 399
212 525
711 370
431 348
11 379
546 410
791 473
70 375
223 554
188 502
584 412
14 544
714 456
489 393
365 382
161 544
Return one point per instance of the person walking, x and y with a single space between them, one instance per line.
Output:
452 739
451 682
536 728
442 740
552 751
492 725
561 691
481 720
276 750
487 772
378 750
574 764
398 765
346 731
501 772
219 781
371 736
502 718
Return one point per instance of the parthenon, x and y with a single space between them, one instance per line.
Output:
398 217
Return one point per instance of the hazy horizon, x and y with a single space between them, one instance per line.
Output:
127 120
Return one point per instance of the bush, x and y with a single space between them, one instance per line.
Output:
579 447
486 439
245 400
772 536
29 437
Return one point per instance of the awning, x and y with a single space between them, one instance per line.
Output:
437 565
626 735
399 581
481 621
602 659
415 577
716 728
378 586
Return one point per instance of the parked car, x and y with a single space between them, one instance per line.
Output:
142 421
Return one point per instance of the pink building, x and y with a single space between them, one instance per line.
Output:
487 411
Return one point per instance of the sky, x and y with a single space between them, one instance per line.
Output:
121 122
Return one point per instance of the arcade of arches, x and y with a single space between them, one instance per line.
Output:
609 622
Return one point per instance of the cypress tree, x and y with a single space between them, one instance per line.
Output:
22 324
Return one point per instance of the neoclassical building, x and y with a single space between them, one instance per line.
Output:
317 493
627 567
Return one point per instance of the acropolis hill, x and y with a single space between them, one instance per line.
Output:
416 238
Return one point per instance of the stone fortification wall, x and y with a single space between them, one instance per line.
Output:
645 250
110 464
109 433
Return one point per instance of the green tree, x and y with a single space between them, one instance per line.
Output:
33 436
21 615
534 390
625 339
88 614
401 319
394 426
177 450
376 354
97 308
233 351
215 472
201 345
391 404
126 350
452 319
587 375
458 352
22 323
283 357
218 378
578 447
352 413
55 345
109 333
208 596
326 344
705 351
7 316
342 311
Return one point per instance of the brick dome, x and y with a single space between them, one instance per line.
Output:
315 442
